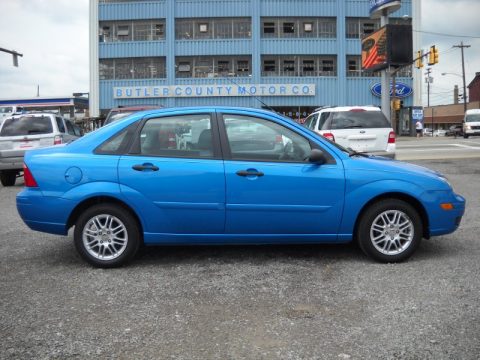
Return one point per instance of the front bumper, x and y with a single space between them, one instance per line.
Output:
446 221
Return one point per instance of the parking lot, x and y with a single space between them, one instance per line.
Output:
258 302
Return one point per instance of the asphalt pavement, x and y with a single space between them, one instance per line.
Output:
243 302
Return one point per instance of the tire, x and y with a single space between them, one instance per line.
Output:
112 233
465 136
390 231
8 177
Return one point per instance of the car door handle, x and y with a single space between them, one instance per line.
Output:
249 173
143 167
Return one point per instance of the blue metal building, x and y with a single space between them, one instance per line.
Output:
292 55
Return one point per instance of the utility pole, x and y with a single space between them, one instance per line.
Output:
461 46
15 55
428 78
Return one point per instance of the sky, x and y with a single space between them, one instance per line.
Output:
52 35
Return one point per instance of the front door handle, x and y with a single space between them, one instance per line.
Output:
249 173
143 167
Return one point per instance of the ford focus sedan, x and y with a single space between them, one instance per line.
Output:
247 176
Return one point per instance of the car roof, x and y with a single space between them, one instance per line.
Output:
348 108
136 108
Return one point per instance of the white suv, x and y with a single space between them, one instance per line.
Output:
361 128
20 133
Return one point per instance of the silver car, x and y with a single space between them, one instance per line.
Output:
20 133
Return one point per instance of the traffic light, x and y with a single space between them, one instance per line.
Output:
419 60
396 104
433 55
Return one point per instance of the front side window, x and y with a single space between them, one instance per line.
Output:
178 136
256 139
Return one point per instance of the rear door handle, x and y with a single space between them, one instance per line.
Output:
249 173
144 167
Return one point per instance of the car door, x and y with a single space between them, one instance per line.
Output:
180 190
270 186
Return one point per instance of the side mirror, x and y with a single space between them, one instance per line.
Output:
317 157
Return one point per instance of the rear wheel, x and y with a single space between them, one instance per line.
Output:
107 235
8 177
465 136
390 231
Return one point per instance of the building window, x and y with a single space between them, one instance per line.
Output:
268 29
299 27
132 68
288 29
356 28
138 30
306 65
211 66
213 28
354 66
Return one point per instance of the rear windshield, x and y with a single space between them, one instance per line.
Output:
472 118
358 119
26 125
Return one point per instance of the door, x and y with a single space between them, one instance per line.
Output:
175 176
272 188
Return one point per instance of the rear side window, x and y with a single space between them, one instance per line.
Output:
358 119
27 125
60 125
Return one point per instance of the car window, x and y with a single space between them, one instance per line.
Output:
472 118
27 125
77 130
117 116
256 139
309 122
60 125
178 136
70 127
358 119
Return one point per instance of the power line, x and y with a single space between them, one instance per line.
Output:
449 35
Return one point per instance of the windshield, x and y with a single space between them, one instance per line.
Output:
26 125
472 118
5 109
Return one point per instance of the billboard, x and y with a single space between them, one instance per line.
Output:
380 7
390 45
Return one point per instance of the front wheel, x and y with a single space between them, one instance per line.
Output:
465 136
106 235
390 231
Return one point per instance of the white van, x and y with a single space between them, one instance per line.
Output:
471 123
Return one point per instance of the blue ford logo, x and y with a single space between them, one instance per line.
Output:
401 90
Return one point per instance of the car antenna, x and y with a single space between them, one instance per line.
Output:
255 97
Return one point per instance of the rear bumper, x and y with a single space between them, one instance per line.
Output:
11 163
42 213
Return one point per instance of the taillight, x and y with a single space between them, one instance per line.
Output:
57 140
28 177
391 138
329 136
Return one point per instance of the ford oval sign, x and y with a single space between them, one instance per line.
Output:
383 7
401 90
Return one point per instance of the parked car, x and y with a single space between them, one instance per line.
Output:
439 132
118 113
119 188
455 130
362 128
20 133
427 132
471 123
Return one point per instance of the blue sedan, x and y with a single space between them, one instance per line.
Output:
221 175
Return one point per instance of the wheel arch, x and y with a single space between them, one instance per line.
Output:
85 204
399 196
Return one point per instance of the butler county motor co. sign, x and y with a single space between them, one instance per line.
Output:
133 92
